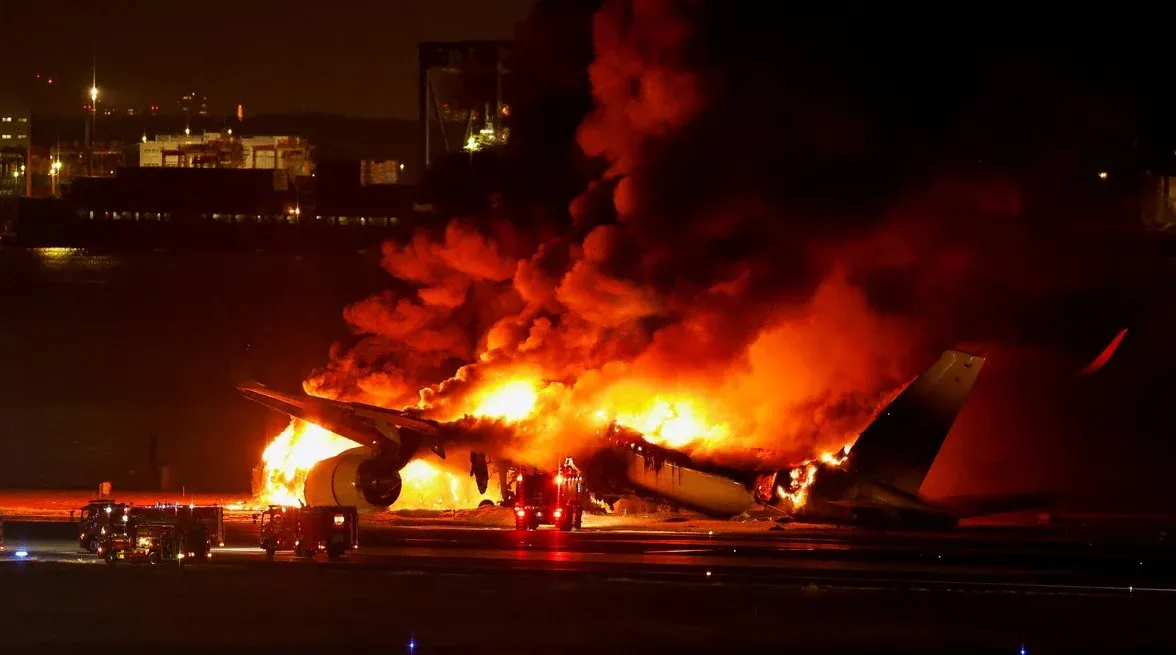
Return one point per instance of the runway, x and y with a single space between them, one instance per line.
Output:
446 588
979 560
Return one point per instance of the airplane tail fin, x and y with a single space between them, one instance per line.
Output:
899 446
1105 355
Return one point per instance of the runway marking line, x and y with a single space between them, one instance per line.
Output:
675 551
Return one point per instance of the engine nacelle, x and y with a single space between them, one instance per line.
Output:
354 477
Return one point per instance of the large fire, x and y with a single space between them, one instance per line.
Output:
794 492
673 422
513 401
293 453
717 319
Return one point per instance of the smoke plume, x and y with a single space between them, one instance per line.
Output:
770 249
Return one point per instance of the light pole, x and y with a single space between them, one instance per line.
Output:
55 172
93 128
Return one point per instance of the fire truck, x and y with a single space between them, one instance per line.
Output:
542 498
156 538
212 516
309 530
99 518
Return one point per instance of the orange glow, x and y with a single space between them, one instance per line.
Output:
801 477
674 423
428 486
291 455
801 384
512 402
294 452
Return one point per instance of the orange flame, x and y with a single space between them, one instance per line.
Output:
294 452
290 456
428 486
802 477
675 423
511 402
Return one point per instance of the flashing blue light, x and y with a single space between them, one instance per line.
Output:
411 644
21 553
1022 649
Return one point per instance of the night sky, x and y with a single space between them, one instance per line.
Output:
356 57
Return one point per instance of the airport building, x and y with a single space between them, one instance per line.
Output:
223 150
14 152
380 171
1158 200
193 104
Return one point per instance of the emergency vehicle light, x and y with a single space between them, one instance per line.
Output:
21 553
338 519
520 511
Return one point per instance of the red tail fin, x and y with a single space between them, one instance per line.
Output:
1105 355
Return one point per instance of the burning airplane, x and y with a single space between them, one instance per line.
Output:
346 453
704 320
874 480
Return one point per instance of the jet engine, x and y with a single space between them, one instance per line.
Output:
354 477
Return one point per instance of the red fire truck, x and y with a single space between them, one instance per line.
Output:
99 518
543 498
155 537
309 530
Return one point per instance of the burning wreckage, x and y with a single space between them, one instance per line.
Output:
361 455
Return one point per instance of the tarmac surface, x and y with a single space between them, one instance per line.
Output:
668 586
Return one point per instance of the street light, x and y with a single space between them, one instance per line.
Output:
94 94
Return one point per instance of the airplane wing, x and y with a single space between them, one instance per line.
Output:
375 427
392 431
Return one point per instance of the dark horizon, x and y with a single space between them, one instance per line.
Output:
361 62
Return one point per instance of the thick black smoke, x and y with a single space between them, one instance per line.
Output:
787 217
